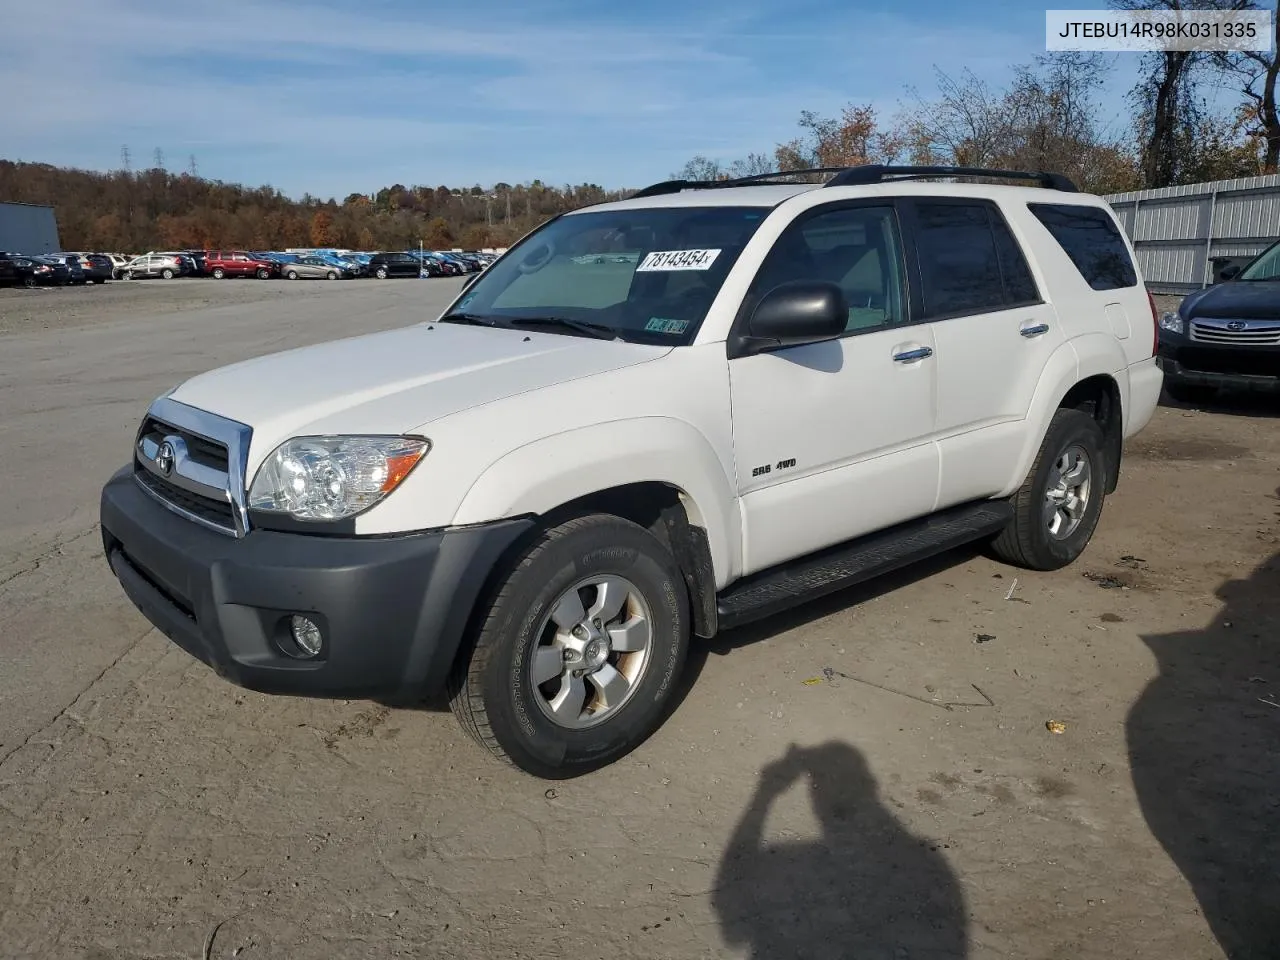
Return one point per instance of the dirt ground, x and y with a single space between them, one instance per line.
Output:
871 777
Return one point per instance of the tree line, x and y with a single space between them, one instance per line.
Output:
155 209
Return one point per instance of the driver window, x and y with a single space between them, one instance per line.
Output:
855 248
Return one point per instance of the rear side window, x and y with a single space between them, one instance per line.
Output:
969 260
1091 239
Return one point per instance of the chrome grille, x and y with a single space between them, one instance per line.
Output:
1236 332
193 463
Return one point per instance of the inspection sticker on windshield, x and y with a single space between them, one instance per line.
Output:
664 325
679 260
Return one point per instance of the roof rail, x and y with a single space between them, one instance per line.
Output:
876 173
865 174
675 186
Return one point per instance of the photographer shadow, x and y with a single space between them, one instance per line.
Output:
867 889
1204 748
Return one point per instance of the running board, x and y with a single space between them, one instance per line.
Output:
788 585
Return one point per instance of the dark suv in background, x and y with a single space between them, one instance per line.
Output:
384 265
1227 336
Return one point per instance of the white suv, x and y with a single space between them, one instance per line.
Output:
649 420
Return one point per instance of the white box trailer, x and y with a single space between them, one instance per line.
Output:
28 228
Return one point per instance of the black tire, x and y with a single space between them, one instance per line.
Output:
492 692
100 280
217 273
381 273
263 273
331 275
291 275
1188 393
166 273
1027 541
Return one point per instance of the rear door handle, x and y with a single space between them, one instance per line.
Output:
1034 329
910 356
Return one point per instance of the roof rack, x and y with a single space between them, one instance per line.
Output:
675 186
876 173
865 174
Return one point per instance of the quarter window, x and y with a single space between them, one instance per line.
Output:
1093 242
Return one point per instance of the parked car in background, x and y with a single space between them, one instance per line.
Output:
45 271
163 265
354 267
238 263
75 272
9 275
316 268
384 265
97 267
1227 336
118 262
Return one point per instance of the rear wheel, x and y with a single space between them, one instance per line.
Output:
167 273
331 275
1058 506
263 273
381 273
579 653
218 274
291 275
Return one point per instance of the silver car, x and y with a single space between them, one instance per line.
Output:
163 265
313 268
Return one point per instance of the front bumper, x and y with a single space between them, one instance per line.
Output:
393 610
1255 368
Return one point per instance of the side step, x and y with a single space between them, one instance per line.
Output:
791 584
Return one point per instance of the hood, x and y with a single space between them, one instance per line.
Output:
397 381
1235 300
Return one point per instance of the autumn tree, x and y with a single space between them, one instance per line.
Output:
322 234
437 234
1255 73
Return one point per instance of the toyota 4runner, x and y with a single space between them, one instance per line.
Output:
650 420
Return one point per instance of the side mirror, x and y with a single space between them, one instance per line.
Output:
795 313
1230 271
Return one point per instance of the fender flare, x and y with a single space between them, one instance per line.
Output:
549 472
1077 359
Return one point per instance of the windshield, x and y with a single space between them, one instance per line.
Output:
1266 267
646 274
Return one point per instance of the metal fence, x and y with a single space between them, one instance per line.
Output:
1179 231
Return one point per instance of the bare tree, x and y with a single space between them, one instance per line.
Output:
1169 111
1256 74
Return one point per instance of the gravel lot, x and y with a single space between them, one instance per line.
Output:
912 797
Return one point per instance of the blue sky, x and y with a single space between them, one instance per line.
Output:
334 97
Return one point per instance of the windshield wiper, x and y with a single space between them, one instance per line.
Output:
477 319
597 330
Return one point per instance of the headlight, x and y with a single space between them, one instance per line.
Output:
1172 322
330 478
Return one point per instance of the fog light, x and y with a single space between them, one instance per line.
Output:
306 635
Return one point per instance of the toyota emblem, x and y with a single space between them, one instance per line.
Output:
165 457
1236 325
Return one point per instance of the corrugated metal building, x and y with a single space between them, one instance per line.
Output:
1178 231
28 228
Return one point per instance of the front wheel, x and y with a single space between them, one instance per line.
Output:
166 273
1058 506
331 275
218 273
291 275
263 273
579 654
127 275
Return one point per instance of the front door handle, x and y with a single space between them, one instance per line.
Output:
1034 330
910 356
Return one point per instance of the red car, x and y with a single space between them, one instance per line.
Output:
237 263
